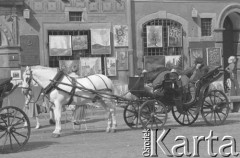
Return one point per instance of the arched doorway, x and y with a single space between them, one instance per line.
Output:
231 41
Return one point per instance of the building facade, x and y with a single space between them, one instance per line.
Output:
157 32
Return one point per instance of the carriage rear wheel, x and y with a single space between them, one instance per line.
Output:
130 115
13 134
215 108
153 114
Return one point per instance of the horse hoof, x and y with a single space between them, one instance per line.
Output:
51 122
114 131
54 135
108 130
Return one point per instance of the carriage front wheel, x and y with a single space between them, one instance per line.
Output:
13 134
153 114
215 108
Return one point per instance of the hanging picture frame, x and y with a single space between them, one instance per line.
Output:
79 42
174 36
195 53
60 45
120 35
122 60
111 66
90 66
214 57
100 41
154 36
173 61
154 62
67 65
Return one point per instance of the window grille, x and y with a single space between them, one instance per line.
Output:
206 26
165 49
75 16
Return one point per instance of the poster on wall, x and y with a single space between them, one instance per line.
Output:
111 66
195 53
214 57
122 60
153 62
154 36
100 41
90 66
60 45
120 35
79 42
174 36
66 65
173 61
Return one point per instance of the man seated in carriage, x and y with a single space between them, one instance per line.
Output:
195 73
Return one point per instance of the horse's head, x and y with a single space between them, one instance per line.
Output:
27 78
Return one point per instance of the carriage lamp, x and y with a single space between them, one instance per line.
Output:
26 14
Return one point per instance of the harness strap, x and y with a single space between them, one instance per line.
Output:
72 93
91 82
52 85
103 82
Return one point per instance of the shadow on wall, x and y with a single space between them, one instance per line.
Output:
32 21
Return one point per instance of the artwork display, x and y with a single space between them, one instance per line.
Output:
60 45
195 53
174 36
111 69
217 85
154 36
66 65
153 62
120 35
90 66
122 60
16 74
100 41
79 42
214 57
174 61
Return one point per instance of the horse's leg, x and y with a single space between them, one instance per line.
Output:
57 113
114 120
109 123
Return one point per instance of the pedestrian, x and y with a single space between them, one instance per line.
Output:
31 109
232 70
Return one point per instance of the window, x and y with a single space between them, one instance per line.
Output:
206 26
75 16
165 49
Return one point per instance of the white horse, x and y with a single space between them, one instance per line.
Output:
62 91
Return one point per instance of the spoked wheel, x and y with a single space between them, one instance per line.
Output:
215 108
153 114
13 134
187 116
130 115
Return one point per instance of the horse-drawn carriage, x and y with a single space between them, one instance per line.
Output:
151 110
13 134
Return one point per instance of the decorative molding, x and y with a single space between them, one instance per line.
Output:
52 6
93 6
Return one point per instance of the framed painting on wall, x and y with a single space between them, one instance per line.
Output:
174 36
154 36
214 57
100 41
195 53
66 65
90 66
111 66
120 35
173 61
79 42
16 74
122 60
60 45
153 62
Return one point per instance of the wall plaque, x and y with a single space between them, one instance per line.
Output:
30 54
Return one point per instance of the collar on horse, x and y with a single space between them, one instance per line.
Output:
53 85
